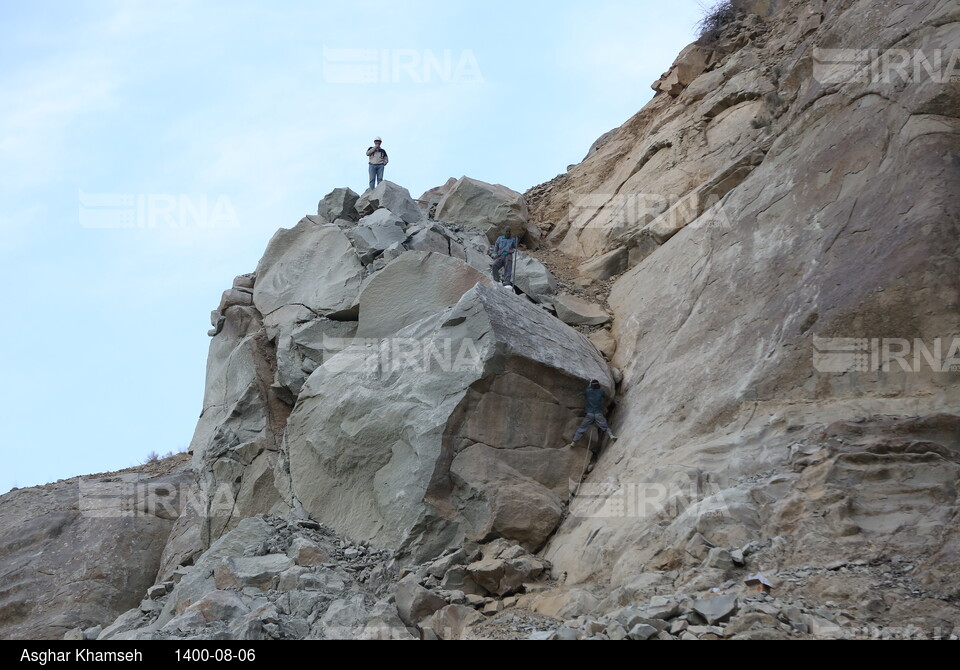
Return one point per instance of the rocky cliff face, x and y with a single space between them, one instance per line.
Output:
384 440
755 208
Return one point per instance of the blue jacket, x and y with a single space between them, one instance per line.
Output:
594 400
503 246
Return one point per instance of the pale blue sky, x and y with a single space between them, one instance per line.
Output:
254 111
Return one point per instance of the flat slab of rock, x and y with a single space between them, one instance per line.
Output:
606 266
578 312
717 609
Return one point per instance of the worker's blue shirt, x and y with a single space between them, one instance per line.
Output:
595 400
503 245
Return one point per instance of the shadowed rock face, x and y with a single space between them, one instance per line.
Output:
77 553
459 436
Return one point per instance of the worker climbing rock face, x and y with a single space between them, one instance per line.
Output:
595 396
378 161
503 252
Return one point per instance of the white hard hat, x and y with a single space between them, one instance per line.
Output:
377 139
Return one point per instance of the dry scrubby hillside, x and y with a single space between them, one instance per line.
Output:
383 456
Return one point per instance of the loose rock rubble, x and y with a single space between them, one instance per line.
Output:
276 578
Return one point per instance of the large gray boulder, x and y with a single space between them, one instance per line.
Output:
393 197
533 278
431 238
431 198
340 203
311 265
437 192
492 208
415 603
414 286
376 233
258 361
467 244
460 435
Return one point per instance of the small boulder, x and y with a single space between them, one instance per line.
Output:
339 204
605 343
392 197
642 631
415 603
717 609
533 278
376 233
577 312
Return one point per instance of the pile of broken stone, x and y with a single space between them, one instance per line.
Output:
274 578
293 578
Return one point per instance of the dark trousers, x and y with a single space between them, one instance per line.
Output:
506 264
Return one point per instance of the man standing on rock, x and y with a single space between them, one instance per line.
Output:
503 250
595 396
378 161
